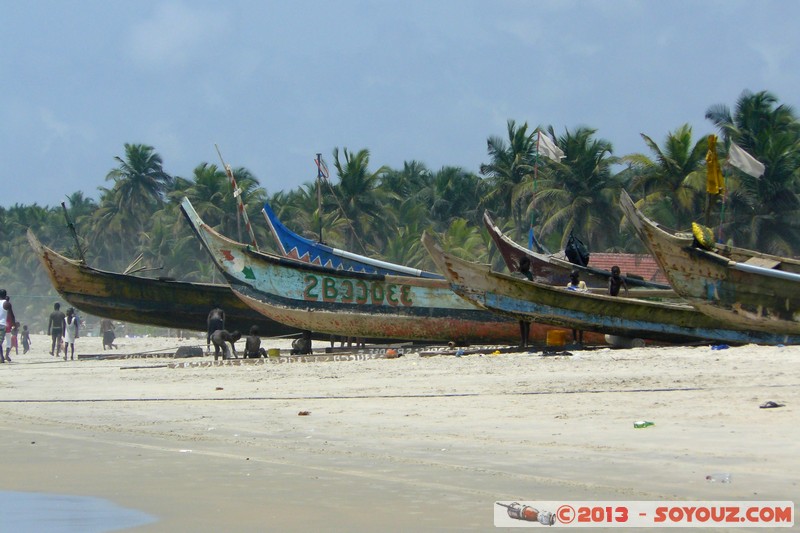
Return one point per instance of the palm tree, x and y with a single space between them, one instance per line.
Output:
762 212
140 179
140 188
359 200
672 184
509 172
454 193
580 194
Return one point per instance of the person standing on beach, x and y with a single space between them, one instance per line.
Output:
70 333
107 331
576 284
14 334
216 320
524 325
5 307
26 340
55 328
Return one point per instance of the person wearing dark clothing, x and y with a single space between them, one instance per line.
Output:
576 284
524 325
107 330
7 321
25 339
55 328
216 320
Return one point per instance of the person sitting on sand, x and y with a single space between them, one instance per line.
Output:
252 345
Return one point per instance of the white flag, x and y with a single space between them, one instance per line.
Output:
549 149
745 162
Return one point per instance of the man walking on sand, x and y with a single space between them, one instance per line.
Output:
5 307
55 328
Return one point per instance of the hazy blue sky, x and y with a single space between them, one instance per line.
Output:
272 83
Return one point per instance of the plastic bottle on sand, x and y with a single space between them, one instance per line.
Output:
719 478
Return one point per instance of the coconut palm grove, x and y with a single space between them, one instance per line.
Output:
382 212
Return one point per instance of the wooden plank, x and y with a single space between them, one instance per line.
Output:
763 262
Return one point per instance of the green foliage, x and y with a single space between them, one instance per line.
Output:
383 211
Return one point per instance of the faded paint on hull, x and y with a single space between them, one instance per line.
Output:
354 304
152 302
708 280
628 317
551 270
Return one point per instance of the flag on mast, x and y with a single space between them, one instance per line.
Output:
745 162
714 174
549 149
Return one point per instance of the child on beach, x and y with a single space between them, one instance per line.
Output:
14 334
26 339
252 346
70 333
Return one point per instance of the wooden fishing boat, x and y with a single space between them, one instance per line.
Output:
352 304
300 248
148 301
554 270
736 286
626 317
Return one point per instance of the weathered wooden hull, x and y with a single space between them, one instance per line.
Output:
627 317
152 302
552 270
353 304
726 283
297 247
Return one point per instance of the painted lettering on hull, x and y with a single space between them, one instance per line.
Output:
332 290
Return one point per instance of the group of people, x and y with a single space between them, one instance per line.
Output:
615 283
63 330
9 330
221 337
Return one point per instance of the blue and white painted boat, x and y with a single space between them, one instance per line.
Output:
313 297
302 249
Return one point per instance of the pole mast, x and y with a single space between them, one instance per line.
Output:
319 193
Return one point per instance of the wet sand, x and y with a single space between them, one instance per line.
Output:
413 443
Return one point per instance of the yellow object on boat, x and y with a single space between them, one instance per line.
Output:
703 235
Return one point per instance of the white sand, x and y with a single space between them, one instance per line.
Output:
414 443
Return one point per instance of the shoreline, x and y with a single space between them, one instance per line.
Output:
428 443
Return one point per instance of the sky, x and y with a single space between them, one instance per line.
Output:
273 83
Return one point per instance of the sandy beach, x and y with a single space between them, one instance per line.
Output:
411 443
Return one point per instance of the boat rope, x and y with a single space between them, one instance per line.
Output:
237 193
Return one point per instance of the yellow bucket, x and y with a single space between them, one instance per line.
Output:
557 337
273 352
